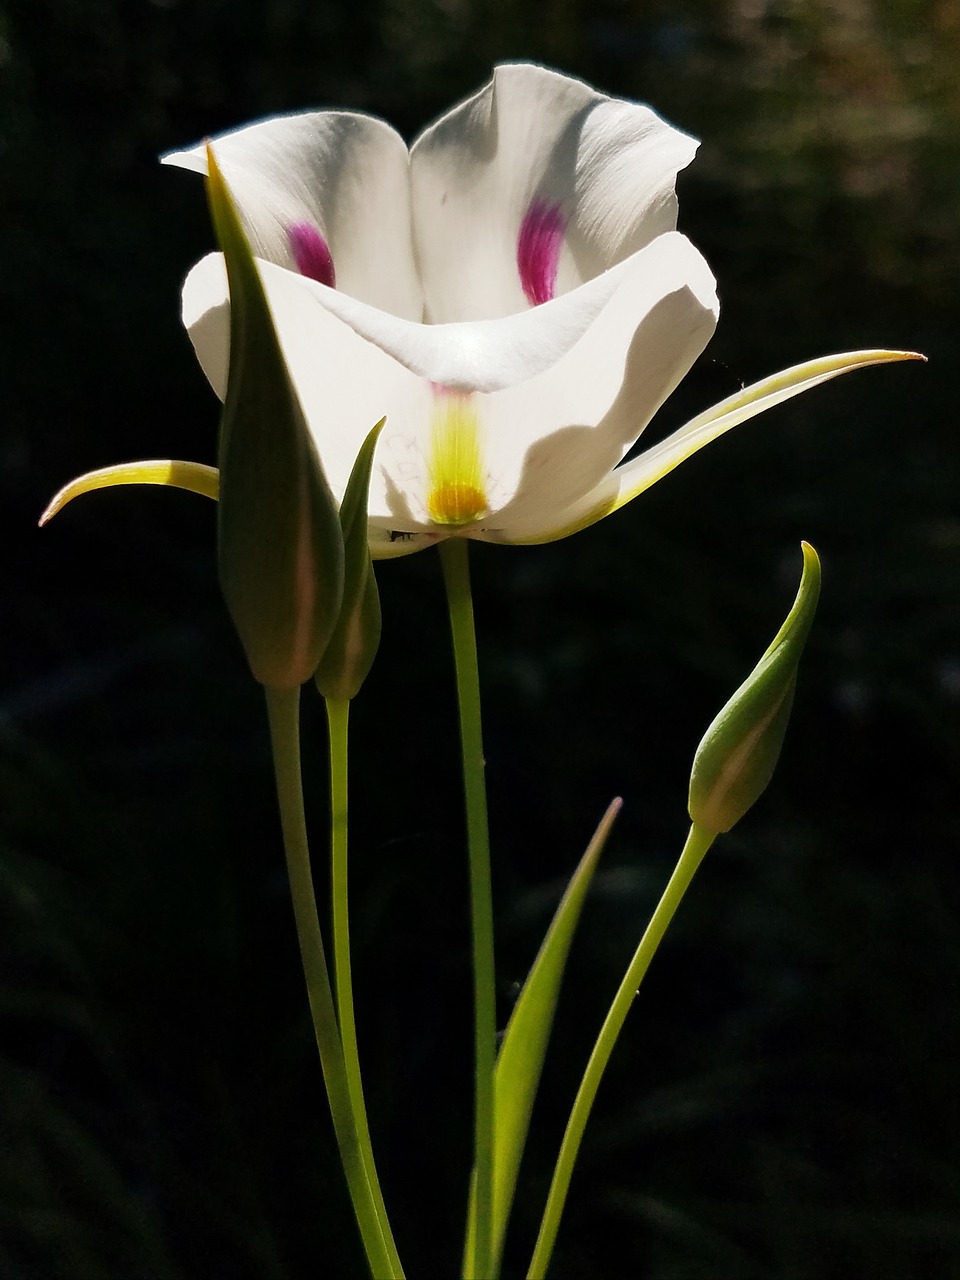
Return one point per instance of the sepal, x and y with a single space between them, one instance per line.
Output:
197 477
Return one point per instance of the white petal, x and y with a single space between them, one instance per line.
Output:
562 391
345 385
482 355
532 135
390 544
555 437
345 174
634 477
349 361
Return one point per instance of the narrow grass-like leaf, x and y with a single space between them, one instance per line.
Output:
524 1045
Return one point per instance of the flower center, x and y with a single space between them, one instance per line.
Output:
457 495
538 250
311 253
456 504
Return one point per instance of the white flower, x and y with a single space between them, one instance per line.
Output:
511 293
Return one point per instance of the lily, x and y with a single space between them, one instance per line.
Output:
511 293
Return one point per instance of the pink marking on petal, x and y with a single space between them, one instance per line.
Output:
538 250
311 253
441 389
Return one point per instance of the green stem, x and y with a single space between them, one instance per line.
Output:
698 842
283 707
478 1261
338 716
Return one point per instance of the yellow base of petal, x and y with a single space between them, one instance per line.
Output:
456 504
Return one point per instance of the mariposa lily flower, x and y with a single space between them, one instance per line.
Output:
511 293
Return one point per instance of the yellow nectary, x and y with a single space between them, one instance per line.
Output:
457 495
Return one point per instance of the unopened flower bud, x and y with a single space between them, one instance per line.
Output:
280 544
739 751
353 646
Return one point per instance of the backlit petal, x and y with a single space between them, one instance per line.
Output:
558 393
532 138
334 174
556 436
345 384
479 356
353 364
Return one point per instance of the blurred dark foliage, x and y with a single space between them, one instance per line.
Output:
784 1102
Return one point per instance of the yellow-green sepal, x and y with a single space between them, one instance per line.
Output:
197 477
739 751
280 544
353 646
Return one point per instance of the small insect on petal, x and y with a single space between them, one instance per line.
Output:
538 250
311 253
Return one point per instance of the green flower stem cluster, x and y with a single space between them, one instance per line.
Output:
698 842
297 576
732 767
337 1050
299 583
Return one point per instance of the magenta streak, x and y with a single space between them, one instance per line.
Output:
311 253
538 250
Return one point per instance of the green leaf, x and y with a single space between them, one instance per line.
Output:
280 543
524 1045
353 646
739 751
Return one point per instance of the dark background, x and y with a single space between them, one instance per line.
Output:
783 1102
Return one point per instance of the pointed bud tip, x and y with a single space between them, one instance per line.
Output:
350 653
811 561
737 756
213 169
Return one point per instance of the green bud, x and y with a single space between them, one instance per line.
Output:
353 646
739 751
280 545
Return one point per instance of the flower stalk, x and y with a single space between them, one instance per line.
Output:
478 1264
284 714
338 716
697 844
731 769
